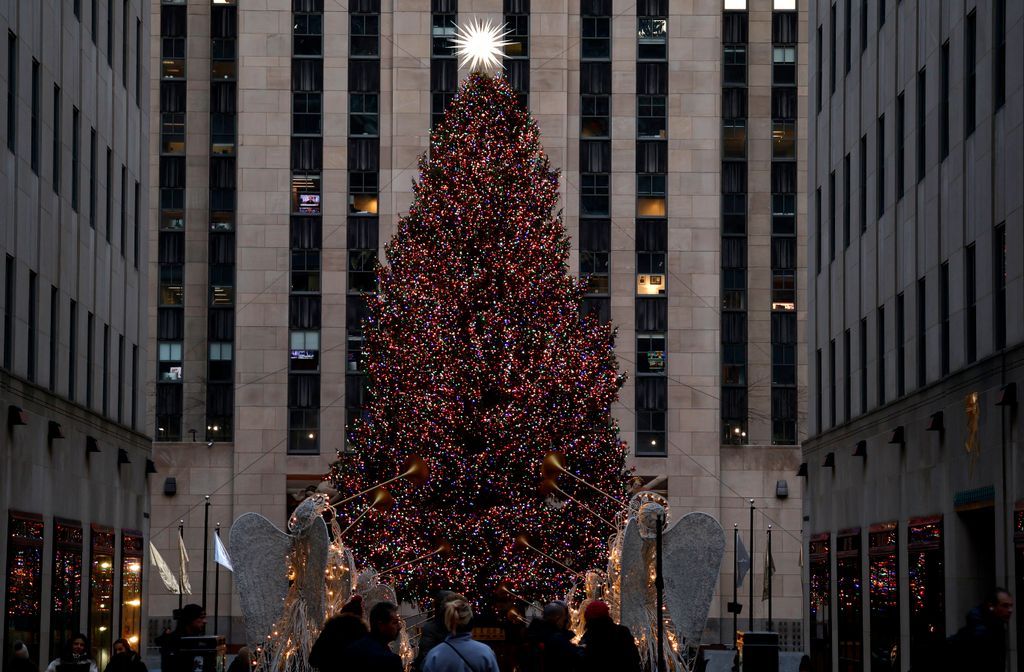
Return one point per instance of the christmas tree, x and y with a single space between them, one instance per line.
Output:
479 361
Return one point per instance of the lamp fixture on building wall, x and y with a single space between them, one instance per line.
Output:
830 461
897 436
802 470
170 486
122 457
935 422
16 416
1007 395
91 445
781 489
55 431
150 467
861 449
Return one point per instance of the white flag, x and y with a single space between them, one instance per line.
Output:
166 575
220 554
186 587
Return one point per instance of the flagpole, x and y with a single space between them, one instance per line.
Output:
181 567
735 581
206 546
768 569
750 614
216 589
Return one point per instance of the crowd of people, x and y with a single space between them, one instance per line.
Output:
76 657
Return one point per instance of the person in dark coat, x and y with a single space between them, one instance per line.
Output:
20 660
191 623
433 631
242 661
371 653
327 654
124 659
980 645
607 646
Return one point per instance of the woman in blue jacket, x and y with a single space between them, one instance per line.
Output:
459 652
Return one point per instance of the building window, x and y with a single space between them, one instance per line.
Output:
922 333
25 535
832 383
75 157
362 192
170 357
901 348
594 116
36 126
944 103
66 598
832 48
108 213
90 353
138 62
596 37
594 190
863 351
651 407
652 122
364 39
33 324
173 26
944 314
650 195
120 379
783 139
900 133
306 113
303 414
970 73
442 31
57 149
999 286
595 250
818 400
832 241
54 326
880 356
819 250
999 53
72 350
848 35
12 92
92 178
880 168
124 210
650 353
105 384
735 63
652 39
820 73
970 300
846 201
849 598
863 184
363 114
863 25
9 271
652 245
921 116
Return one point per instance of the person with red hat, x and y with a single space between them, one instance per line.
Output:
607 646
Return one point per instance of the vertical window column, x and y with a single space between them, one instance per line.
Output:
363 234
223 208
171 237
595 154
444 67
517 54
305 307
734 220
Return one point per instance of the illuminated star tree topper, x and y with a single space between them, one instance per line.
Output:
480 45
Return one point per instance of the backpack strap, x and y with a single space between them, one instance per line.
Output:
459 654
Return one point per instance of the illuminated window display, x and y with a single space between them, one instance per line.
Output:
849 607
101 593
66 604
820 602
1018 581
24 580
927 587
884 597
131 586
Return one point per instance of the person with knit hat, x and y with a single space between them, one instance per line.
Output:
607 646
191 623
327 654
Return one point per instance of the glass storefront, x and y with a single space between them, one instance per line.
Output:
819 555
101 593
849 609
884 597
926 573
66 591
23 599
131 586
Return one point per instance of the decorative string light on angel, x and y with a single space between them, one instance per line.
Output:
692 552
290 583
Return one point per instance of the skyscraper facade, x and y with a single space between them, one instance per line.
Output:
286 140
75 446
914 491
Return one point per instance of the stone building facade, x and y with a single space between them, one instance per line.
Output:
914 486
285 139
74 447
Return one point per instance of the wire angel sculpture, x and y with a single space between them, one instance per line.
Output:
280 578
692 552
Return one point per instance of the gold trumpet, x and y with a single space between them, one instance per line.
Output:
382 501
414 469
522 541
443 547
549 485
554 464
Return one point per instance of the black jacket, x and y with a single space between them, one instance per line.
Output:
608 647
328 652
369 654
550 649
432 633
129 661
980 645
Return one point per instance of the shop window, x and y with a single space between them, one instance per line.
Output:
66 594
132 548
884 597
101 594
820 573
927 587
849 622
23 599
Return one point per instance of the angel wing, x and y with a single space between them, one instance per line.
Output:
310 577
692 557
635 604
260 553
